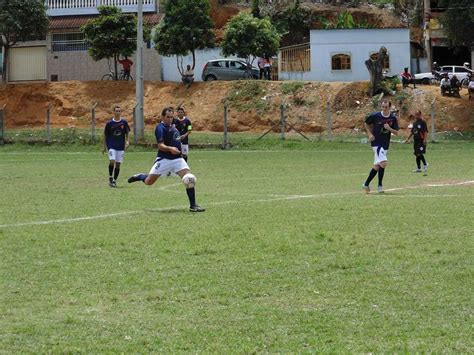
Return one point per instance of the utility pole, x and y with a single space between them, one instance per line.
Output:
139 121
427 31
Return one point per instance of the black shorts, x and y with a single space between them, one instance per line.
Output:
419 148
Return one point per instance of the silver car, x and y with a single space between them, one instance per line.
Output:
228 69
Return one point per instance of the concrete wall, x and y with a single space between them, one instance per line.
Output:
171 73
78 65
359 44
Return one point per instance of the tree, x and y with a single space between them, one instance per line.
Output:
458 22
19 20
247 36
186 27
375 68
112 34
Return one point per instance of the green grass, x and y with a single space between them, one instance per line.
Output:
290 255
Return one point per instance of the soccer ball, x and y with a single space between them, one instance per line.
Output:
189 180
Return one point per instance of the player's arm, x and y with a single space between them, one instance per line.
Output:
166 148
127 135
104 148
392 128
369 126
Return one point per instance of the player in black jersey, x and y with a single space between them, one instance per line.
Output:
419 132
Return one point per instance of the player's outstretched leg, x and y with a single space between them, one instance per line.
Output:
137 177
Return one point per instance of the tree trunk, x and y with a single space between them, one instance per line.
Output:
6 50
116 69
375 68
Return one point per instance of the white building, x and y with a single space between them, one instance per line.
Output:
340 55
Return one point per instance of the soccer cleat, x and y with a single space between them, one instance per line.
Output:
366 189
417 170
134 178
112 183
380 189
425 168
196 208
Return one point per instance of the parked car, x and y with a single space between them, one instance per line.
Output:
460 71
228 69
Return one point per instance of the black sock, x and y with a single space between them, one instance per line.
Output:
111 171
116 173
372 174
422 158
418 162
381 172
185 157
191 196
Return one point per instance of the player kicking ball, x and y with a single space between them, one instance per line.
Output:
380 126
170 159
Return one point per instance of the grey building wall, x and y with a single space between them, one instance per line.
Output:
78 65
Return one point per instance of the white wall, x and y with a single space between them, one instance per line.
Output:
170 71
359 43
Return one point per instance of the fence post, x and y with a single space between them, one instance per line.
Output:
329 118
48 124
282 121
225 144
433 120
93 123
2 120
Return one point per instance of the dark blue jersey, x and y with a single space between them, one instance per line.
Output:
169 136
183 126
115 133
419 130
381 135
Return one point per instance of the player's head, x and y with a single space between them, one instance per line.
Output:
180 112
385 105
167 115
117 111
418 114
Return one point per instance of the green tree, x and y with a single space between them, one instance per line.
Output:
458 21
186 27
19 20
112 34
246 36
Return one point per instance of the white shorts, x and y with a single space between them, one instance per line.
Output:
116 155
184 149
164 166
380 155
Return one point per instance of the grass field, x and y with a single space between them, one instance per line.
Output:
290 255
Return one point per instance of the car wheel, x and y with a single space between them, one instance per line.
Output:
425 81
210 78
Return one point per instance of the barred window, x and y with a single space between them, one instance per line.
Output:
68 42
386 60
341 61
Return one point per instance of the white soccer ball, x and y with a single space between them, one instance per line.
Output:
189 180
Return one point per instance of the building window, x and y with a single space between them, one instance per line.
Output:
386 61
341 61
69 42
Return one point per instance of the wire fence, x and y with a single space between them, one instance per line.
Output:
283 128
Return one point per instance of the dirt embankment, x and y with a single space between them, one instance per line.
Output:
253 105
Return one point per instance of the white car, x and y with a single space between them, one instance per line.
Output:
460 71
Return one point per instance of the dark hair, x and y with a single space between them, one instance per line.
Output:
387 101
165 110
180 109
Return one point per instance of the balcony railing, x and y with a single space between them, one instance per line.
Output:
89 7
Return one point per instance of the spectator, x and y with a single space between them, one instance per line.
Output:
126 67
436 67
407 78
445 84
470 88
188 75
454 82
260 62
267 68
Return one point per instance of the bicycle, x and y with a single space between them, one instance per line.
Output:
121 76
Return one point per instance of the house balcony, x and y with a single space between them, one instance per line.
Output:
89 7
